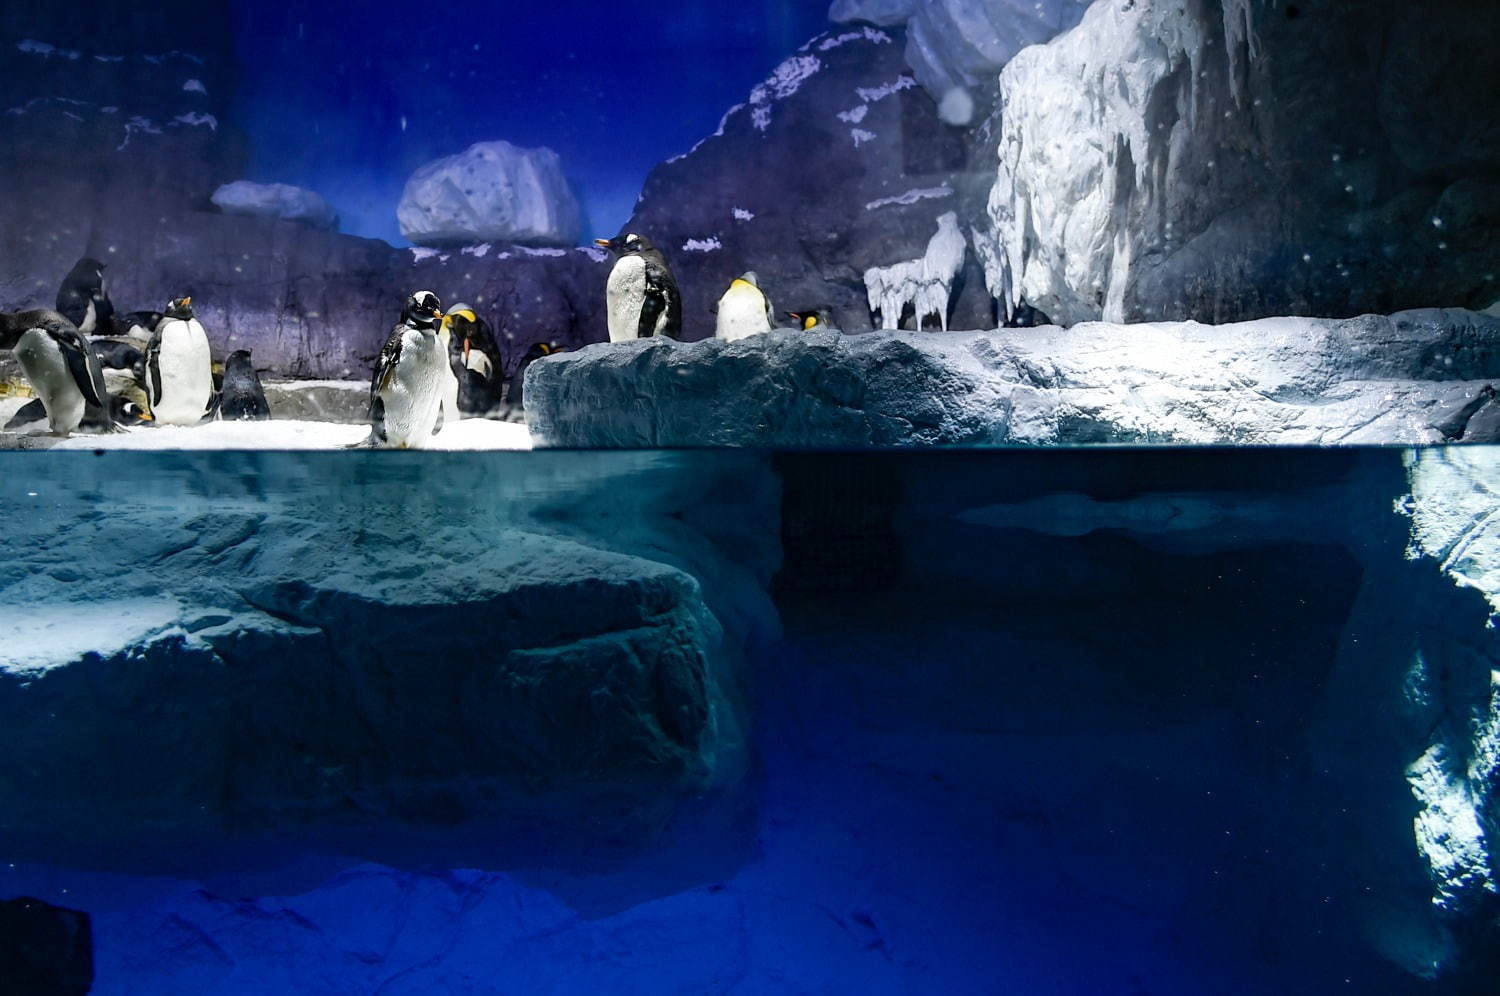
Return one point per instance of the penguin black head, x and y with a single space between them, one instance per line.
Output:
126 411
423 310
539 350
625 244
465 322
87 272
180 308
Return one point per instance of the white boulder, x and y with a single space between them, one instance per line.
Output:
491 192
276 200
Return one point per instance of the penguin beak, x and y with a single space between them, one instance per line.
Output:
604 243
187 302
467 344
146 417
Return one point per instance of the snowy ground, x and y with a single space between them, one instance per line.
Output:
276 434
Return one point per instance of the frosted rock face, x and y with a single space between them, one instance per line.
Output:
420 662
276 200
1223 161
492 192
956 44
1453 506
925 284
1288 381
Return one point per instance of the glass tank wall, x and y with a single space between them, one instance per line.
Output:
931 496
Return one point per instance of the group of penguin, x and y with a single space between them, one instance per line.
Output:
92 367
642 297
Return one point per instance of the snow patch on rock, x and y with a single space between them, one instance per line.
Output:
864 34
34 47
710 244
854 115
196 120
911 197
491 192
871 94
195 86
925 283
859 136
741 214
275 200
784 81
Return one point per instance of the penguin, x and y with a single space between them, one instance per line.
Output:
642 296
63 369
83 300
472 353
179 367
406 391
124 410
744 310
448 410
242 397
517 397
137 325
809 321
117 355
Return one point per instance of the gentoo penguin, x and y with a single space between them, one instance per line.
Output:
242 396
517 397
406 391
179 368
473 352
63 369
83 300
808 321
744 309
642 296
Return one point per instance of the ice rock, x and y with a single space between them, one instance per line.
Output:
276 200
955 44
491 192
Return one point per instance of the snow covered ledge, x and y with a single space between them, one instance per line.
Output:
1370 380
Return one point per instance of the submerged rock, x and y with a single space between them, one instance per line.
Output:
491 192
1286 380
276 200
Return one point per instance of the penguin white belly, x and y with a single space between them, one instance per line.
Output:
187 377
742 312
416 390
625 296
46 369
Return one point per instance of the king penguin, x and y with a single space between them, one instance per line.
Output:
83 300
473 354
63 368
179 367
517 397
406 392
642 298
744 310
810 321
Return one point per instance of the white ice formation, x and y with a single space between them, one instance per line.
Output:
926 283
491 192
275 200
956 44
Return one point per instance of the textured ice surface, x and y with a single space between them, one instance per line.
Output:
1371 379
924 284
275 200
491 192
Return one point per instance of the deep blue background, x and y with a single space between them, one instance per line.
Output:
349 97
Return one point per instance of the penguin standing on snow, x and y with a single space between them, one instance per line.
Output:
744 309
406 392
242 397
473 352
642 298
179 367
63 368
83 300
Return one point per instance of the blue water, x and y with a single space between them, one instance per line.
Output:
1015 722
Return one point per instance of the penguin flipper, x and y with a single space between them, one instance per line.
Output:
84 365
31 411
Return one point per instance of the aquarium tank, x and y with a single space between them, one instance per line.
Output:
882 497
